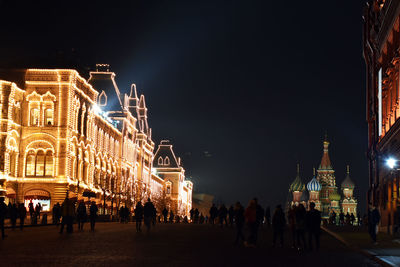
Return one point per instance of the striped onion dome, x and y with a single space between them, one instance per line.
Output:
297 185
347 182
314 185
334 196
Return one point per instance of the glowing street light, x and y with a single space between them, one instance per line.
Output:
391 162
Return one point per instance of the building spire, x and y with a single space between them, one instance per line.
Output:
348 169
298 169
313 171
325 161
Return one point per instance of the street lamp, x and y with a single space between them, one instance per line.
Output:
391 163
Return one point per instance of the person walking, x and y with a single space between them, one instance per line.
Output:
81 215
13 215
148 212
139 216
22 215
58 213
313 225
222 213
171 216
238 216
93 215
250 219
373 219
38 209
341 218
213 213
54 212
278 225
165 215
259 218
67 212
196 215
31 210
3 213
300 226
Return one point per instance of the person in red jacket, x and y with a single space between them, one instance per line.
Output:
250 216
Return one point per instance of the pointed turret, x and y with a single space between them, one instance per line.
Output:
142 115
325 161
347 182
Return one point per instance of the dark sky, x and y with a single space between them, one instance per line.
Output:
244 89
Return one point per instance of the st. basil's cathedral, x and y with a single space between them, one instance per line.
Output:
322 189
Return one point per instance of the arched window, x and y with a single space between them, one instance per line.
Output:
166 161
102 99
30 164
40 163
160 161
48 117
49 164
34 116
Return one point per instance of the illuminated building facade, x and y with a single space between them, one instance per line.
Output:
381 54
64 135
322 189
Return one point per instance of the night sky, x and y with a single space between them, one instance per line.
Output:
243 89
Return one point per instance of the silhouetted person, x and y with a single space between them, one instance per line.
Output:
231 215
359 218
268 216
292 224
165 215
67 212
191 212
171 216
148 212
38 209
341 218
55 214
196 215
239 222
201 218
121 214
333 217
373 219
313 223
22 215
139 216
347 218
13 215
81 215
300 226
154 215
251 220
31 209
278 225
3 213
222 213
93 215
213 213
352 219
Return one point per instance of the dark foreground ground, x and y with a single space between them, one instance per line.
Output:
115 244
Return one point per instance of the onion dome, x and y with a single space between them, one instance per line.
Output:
334 196
314 185
297 185
347 182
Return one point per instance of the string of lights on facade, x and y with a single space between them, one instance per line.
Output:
65 135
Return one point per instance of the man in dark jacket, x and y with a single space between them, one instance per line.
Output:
373 219
148 212
3 212
165 215
22 215
278 224
313 225
213 213
139 216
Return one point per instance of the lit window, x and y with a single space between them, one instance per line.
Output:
49 164
49 116
30 164
102 99
166 161
35 116
168 190
40 163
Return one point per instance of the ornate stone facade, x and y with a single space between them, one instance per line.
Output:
62 134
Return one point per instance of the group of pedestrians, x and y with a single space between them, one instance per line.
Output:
67 213
147 213
301 222
344 219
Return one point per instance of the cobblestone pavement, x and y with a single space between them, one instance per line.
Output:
115 244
